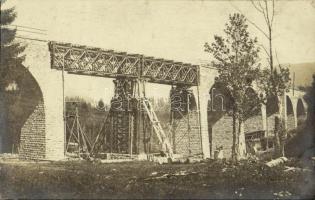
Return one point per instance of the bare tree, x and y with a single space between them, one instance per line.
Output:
274 82
268 12
277 82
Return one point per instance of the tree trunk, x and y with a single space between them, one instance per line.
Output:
234 154
282 148
241 145
276 137
278 120
282 137
270 50
279 138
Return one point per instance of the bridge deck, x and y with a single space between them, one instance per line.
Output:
107 63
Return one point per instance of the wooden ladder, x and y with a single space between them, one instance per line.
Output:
166 145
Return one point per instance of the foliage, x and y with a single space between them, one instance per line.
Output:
310 99
275 83
302 141
11 58
236 58
162 109
91 116
16 83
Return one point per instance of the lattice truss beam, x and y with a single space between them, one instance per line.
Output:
107 63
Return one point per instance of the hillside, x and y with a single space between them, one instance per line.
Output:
303 73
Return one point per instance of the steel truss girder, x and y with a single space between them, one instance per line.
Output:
107 63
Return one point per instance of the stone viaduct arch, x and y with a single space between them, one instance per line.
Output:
290 114
301 111
22 96
48 114
220 119
48 141
42 135
295 108
259 124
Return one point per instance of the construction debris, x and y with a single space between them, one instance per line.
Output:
5 156
282 194
161 160
294 169
164 176
276 162
153 173
116 160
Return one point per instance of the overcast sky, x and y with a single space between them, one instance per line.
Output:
175 30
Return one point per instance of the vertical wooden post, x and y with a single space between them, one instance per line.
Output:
131 133
139 118
188 122
173 130
111 134
150 141
199 119
64 108
78 129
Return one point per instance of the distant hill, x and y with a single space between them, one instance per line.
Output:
303 73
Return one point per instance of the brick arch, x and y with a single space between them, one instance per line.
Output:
19 104
32 124
48 112
219 119
254 124
300 111
254 120
272 109
186 139
220 100
290 113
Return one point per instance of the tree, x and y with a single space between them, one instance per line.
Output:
268 12
310 123
274 82
12 73
301 142
10 50
236 59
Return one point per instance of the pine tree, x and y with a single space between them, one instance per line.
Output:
12 74
10 52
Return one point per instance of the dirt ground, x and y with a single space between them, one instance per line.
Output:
209 179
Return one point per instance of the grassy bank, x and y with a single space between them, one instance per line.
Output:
211 179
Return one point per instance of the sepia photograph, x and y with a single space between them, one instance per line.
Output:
157 99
